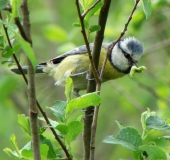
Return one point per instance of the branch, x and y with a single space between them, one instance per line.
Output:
152 91
96 56
31 87
128 96
88 118
156 46
87 42
14 56
118 39
22 32
98 88
37 103
26 81
94 61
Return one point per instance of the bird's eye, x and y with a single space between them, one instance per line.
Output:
127 55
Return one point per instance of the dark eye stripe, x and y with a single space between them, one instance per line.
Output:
127 55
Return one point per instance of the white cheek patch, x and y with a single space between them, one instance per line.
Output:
118 59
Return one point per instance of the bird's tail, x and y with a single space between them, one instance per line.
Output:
39 69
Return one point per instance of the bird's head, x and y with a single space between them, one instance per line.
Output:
126 53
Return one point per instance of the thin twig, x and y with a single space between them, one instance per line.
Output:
128 96
151 91
38 105
98 88
91 87
31 88
118 39
98 42
156 46
88 118
87 42
8 8
22 32
14 56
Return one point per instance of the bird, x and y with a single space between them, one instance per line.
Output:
75 63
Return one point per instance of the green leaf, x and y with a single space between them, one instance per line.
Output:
41 130
12 28
144 116
15 4
28 146
3 4
147 8
51 151
62 128
27 152
24 123
11 153
16 48
69 89
76 24
55 33
4 62
157 123
94 28
87 100
119 124
86 23
94 10
86 4
7 52
59 110
2 42
74 129
128 137
79 118
44 151
154 152
58 149
14 144
53 123
27 49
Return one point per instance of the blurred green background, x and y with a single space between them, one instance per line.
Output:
123 99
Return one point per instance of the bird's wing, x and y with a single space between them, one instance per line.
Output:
75 51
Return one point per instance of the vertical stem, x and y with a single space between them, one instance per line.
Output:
98 42
22 32
102 17
88 118
31 88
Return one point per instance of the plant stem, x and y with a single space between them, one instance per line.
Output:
87 42
22 32
88 118
104 14
98 42
31 88
125 27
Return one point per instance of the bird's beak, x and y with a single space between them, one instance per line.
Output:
135 64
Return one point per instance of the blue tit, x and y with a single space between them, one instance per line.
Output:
75 63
